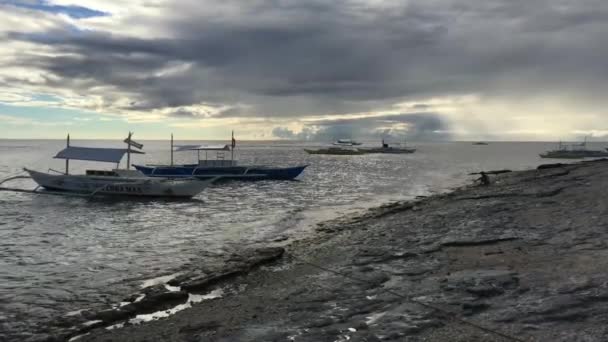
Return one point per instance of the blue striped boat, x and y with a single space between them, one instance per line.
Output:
219 167
252 173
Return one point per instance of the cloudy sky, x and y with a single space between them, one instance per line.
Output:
304 69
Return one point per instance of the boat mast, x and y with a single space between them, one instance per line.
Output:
67 161
171 149
129 150
585 142
232 150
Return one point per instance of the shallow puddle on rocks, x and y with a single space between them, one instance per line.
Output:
159 280
76 338
192 299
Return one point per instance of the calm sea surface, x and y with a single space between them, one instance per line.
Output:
59 254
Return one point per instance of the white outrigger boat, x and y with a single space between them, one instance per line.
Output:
574 151
109 183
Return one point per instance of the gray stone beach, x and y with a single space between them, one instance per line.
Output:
521 259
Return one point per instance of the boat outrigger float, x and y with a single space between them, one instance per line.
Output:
108 183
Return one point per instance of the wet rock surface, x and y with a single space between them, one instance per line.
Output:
523 256
163 296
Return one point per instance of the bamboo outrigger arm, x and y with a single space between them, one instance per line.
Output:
28 191
15 177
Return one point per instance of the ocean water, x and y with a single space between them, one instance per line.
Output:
60 254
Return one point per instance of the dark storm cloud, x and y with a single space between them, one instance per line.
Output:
323 51
421 106
284 58
184 114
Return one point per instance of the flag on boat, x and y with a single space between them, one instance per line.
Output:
133 143
233 140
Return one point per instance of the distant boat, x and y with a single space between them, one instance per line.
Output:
385 148
225 169
115 182
343 151
574 151
480 143
346 142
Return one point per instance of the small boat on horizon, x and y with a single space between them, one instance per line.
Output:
346 142
480 143
225 169
114 182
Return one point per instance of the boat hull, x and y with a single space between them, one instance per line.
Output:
119 186
251 173
573 155
336 151
559 157
389 150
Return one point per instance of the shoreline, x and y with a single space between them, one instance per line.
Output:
170 291
431 250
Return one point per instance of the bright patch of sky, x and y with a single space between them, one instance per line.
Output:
20 122
45 98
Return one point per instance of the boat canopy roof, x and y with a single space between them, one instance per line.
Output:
202 148
109 155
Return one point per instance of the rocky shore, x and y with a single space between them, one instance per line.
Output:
521 259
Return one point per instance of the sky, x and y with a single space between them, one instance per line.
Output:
304 69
